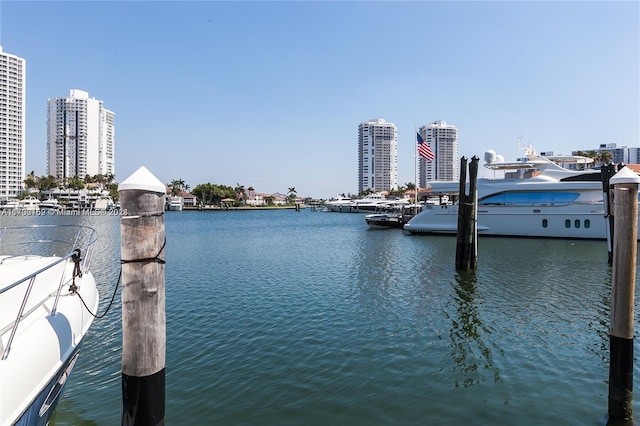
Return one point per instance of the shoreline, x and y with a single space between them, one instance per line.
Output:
224 209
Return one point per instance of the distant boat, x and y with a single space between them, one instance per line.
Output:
10 205
176 204
391 215
104 203
50 204
45 300
385 220
340 204
370 203
28 204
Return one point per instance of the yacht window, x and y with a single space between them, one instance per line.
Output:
567 223
545 223
537 198
587 223
577 223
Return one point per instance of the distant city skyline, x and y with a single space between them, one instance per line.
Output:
266 94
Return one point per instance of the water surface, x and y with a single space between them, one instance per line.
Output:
284 317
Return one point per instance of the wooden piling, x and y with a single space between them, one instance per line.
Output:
142 246
625 196
467 235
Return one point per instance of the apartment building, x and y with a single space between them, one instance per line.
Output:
443 140
377 155
80 137
12 124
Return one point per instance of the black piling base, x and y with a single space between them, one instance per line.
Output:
143 399
620 379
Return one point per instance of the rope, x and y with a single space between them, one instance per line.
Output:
148 259
74 288
110 303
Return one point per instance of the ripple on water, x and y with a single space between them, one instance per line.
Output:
290 318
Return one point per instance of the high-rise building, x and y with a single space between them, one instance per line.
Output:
622 154
12 124
80 137
442 138
377 155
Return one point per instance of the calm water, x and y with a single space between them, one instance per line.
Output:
287 317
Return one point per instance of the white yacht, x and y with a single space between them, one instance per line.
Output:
540 199
29 204
45 300
176 204
340 204
104 203
50 204
9 205
368 204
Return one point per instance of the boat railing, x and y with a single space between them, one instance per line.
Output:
79 249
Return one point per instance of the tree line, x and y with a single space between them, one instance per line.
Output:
213 194
44 184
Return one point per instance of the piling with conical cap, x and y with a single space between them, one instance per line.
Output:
142 233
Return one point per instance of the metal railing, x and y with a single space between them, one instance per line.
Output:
20 241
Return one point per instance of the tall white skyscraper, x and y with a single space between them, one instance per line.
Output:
377 155
80 137
12 124
442 138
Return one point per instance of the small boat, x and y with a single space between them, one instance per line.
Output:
47 303
391 215
385 220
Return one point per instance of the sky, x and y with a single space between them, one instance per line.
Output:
269 95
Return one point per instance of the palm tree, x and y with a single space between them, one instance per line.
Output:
75 183
291 194
175 186
47 183
606 157
31 181
239 191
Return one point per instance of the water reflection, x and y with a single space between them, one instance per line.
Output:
468 348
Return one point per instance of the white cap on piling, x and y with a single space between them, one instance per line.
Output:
143 180
625 175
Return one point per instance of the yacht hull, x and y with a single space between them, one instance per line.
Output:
573 221
42 408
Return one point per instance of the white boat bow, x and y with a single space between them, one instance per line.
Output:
45 299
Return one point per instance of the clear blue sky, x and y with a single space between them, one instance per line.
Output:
270 94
